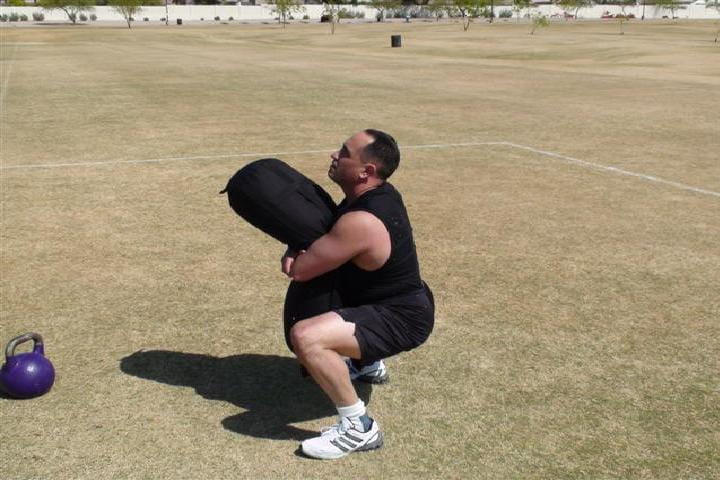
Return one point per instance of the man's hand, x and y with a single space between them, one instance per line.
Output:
287 260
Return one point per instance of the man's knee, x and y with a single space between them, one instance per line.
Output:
326 331
302 337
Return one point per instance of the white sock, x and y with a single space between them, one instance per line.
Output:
356 410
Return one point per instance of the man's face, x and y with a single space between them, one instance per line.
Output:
347 167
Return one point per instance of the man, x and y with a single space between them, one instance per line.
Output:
387 307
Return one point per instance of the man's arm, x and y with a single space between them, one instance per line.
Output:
353 234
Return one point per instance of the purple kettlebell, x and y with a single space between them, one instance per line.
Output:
26 375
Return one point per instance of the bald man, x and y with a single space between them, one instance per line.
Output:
387 309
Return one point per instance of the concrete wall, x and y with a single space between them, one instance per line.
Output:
189 12
651 11
264 12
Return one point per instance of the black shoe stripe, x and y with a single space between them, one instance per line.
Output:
340 445
347 442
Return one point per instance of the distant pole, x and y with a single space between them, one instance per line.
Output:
167 17
643 14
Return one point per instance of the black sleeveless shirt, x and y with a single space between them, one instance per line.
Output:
399 277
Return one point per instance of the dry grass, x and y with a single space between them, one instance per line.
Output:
577 332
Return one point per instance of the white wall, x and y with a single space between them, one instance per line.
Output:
264 12
188 12
651 11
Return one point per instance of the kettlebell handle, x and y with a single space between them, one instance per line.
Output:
37 348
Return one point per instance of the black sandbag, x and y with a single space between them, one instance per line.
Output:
307 299
282 202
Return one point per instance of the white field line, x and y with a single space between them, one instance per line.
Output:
576 161
229 155
159 160
6 80
449 145
619 171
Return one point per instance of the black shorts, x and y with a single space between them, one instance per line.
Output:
386 329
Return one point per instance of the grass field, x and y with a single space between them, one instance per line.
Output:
565 194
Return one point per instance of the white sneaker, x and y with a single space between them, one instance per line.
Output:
342 439
375 373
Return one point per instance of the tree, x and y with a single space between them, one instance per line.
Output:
575 5
332 10
130 8
623 17
716 5
72 8
285 8
468 10
437 8
539 21
672 5
383 6
519 5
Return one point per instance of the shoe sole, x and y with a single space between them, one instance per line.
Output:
374 380
374 445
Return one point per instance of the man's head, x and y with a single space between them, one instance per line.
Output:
384 150
367 156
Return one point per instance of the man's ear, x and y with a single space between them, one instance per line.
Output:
370 170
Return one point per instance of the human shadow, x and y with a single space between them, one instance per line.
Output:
270 388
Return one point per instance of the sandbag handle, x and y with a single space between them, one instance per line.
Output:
37 348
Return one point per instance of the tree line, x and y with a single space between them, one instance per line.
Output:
73 8
466 10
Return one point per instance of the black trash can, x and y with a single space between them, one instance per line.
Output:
396 40
179 21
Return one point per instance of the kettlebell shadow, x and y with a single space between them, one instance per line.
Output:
269 387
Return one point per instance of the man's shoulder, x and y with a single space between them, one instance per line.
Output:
357 219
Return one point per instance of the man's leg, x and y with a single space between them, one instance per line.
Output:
320 344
